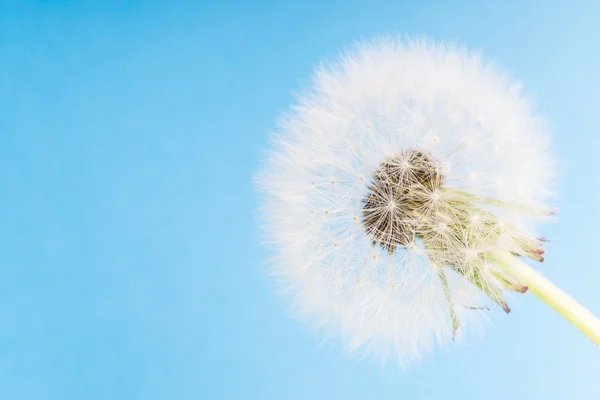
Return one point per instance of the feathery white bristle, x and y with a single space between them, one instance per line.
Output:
376 102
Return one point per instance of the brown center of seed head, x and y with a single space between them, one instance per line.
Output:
398 196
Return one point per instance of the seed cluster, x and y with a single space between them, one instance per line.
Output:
398 197
406 201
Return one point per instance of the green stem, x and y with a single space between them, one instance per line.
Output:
574 312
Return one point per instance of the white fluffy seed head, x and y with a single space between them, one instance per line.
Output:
388 185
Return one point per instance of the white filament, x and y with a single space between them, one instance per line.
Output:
378 99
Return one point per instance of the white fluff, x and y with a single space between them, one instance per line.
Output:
380 98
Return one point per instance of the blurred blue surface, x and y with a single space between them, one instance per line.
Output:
130 262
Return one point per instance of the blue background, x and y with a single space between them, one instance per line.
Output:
130 262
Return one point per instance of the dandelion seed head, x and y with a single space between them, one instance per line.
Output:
399 146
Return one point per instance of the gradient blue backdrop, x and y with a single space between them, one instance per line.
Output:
130 262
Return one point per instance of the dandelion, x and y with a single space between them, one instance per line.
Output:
401 197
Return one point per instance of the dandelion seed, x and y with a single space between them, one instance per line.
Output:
418 219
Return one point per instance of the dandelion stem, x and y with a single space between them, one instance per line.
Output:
574 312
